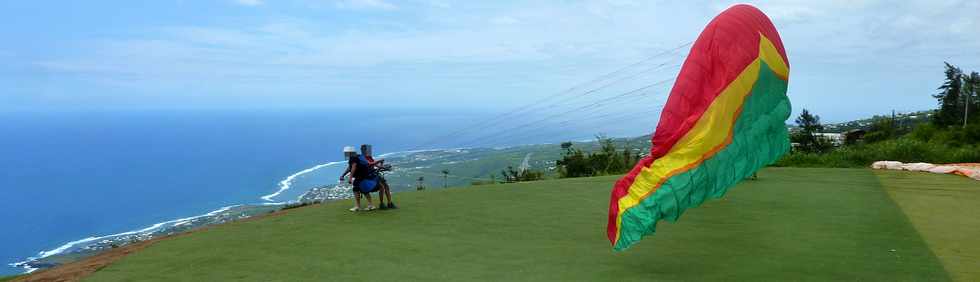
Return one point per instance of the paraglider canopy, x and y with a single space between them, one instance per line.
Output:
724 119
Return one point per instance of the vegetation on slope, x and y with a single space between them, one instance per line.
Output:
952 136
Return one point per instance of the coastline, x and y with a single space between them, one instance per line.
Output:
95 245
412 163
84 266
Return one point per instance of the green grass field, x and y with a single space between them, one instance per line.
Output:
791 224
945 209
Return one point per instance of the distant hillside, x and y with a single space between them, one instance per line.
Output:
469 165
475 165
902 119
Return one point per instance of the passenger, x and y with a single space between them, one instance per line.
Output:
359 171
384 189
348 153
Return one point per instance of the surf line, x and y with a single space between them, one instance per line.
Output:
285 184
84 242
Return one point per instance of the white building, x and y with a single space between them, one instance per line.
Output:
837 139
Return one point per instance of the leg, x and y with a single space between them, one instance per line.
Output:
370 203
387 192
357 201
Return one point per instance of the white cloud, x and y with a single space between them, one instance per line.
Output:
837 31
365 5
522 36
535 42
792 11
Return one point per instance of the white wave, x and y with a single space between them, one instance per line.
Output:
405 153
69 245
27 269
283 186
401 153
286 183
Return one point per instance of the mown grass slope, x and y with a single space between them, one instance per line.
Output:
791 224
945 209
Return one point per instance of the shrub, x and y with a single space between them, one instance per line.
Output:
924 132
512 175
605 161
907 149
967 154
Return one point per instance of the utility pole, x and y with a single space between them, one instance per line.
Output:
966 108
445 178
894 124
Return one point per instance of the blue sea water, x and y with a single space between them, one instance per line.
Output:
69 176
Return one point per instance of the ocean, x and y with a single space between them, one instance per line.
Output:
76 175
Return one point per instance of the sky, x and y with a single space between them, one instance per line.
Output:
850 59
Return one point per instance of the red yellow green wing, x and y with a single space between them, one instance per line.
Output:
724 119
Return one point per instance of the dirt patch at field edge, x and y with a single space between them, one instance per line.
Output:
75 271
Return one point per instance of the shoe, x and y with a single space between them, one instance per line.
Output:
392 206
354 209
371 208
382 207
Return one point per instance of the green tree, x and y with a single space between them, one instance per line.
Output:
882 128
513 175
809 125
573 163
604 161
566 145
971 96
510 174
950 101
